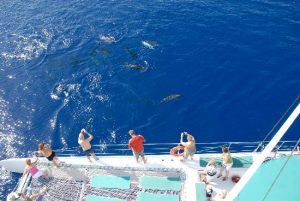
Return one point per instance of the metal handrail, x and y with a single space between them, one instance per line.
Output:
163 148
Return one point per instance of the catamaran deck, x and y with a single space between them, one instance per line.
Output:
73 180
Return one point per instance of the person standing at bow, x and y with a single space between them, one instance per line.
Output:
86 145
136 144
189 146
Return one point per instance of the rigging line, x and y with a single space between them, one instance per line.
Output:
268 134
280 171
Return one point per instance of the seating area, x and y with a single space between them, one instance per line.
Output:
149 188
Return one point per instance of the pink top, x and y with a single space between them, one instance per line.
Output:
33 170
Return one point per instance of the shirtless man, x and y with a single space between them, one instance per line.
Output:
189 146
86 145
45 150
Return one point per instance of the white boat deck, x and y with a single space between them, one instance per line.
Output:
171 166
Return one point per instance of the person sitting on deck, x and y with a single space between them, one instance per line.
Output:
33 196
86 145
189 146
33 170
227 163
45 150
136 144
209 173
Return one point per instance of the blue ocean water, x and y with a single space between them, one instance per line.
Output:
235 65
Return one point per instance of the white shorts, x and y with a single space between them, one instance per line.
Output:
39 173
227 166
210 178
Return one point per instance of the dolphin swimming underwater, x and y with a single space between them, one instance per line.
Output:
136 66
149 44
170 98
108 39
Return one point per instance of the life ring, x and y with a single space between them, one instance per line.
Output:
175 151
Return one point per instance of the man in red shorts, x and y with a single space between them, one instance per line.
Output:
136 144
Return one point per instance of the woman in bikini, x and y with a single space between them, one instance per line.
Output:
45 150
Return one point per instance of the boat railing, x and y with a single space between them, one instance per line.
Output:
164 148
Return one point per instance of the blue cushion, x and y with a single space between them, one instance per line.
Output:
200 191
108 181
161 183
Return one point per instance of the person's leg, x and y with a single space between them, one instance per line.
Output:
36 195
136 156
221 171
89 158
45 174
94 156
141 153
56 161
228 167
226 175
185 156
88 153
191 155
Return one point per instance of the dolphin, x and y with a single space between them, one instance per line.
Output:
170 98
132 53
149 44
108 39
136 66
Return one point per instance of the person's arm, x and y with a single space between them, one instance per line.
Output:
143 138
25 171
129 144
181 140
46 146
90 136
35 160
193 139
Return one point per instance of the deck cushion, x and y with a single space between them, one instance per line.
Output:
161 183
200 191
108 181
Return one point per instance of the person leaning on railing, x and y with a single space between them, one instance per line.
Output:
45 150
189 146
